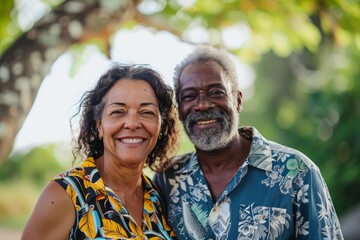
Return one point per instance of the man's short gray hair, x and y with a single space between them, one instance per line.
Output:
206 53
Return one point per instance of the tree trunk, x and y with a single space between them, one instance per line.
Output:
26 62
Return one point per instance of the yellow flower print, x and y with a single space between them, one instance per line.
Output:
78 173
147 221
116 204
113 230
136 230
167 227
148 206
88 224
72 193
97 186
90 162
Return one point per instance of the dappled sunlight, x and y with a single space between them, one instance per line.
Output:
297 66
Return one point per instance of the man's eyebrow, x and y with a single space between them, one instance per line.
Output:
219 85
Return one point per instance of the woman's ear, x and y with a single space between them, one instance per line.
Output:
99 128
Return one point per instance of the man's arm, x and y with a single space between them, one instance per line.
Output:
316 216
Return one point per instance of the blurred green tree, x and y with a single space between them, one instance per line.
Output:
38 165
317 114
28 49
305 54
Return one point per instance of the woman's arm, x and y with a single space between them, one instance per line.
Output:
53 215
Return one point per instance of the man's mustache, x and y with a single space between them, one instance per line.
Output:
196 116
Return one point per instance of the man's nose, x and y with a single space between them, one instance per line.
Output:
203 103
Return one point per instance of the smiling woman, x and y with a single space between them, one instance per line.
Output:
109 196
138 118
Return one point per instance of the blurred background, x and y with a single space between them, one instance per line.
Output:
298 65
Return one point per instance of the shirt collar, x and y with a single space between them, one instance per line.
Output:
260 151
95 186
259 156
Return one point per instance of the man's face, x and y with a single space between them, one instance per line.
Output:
207 106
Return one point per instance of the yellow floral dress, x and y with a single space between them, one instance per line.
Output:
100 213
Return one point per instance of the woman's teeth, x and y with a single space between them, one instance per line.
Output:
132 140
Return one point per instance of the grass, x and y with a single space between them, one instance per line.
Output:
17 201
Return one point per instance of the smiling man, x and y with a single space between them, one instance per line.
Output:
237 184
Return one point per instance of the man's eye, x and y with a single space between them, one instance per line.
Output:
217 93
188 97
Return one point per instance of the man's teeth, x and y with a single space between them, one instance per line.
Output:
132 140
206 122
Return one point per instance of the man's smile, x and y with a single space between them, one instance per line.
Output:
206 122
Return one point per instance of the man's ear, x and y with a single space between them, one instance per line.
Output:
239 105
179 115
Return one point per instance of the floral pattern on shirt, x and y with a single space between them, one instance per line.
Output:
278 193
101 215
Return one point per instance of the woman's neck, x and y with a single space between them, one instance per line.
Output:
126 183
119 177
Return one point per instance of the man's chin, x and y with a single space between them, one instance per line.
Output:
211 142
202 132
204 142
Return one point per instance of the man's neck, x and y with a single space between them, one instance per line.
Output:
220 166
227 158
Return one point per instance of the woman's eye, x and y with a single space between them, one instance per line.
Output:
148 112
117 112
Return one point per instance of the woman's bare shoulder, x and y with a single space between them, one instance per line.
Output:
53 215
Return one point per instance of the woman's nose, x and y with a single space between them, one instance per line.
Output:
132 122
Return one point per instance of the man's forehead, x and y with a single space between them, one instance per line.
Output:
204 64
204 76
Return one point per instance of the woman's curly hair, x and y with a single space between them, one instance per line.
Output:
92 103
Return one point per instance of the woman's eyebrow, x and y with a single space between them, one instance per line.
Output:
141 104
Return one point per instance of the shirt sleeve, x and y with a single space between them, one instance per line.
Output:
315 213
160 184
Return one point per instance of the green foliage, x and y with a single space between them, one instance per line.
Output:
80 54
39 165
282 26
18 199
8 27
307 87
313 104
23 176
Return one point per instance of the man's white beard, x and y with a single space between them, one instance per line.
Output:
211 139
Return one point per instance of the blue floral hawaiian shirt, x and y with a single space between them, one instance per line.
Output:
278 193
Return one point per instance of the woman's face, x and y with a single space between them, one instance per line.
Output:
130 122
